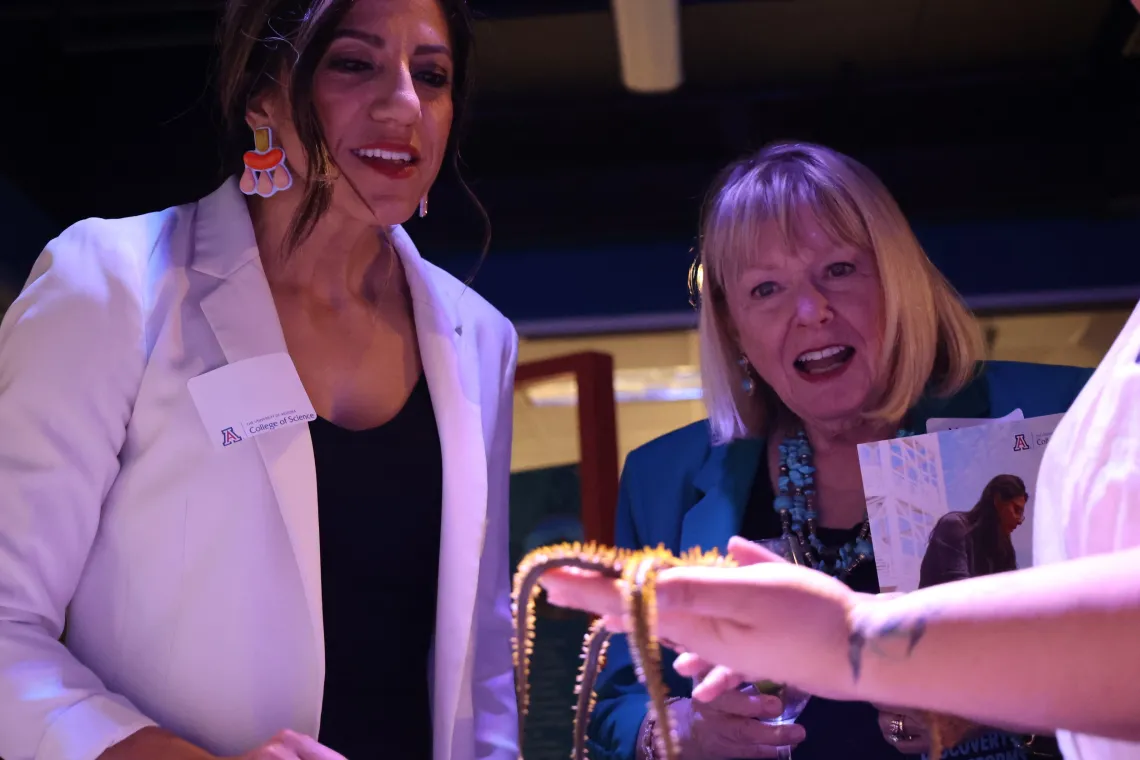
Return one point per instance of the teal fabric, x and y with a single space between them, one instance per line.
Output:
680 491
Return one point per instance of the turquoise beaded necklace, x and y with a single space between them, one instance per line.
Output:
795 504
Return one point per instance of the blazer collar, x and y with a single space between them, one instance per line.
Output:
427 295
224 242
723 483
223 232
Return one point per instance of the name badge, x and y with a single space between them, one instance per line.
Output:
249 398
940 424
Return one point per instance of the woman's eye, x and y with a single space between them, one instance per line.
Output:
433 78
349 65
764 289
840 269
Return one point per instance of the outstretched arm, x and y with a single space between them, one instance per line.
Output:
1053 647
1045 648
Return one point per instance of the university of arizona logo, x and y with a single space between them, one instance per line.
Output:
1019 443
229 436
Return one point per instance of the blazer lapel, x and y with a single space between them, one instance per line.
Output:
243 316
453 376
724 482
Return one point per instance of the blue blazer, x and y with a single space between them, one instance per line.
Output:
680 491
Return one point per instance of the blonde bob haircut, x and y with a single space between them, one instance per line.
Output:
931 341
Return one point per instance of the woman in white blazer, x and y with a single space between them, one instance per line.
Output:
254 450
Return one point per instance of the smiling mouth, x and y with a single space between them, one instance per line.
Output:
824 360
394 162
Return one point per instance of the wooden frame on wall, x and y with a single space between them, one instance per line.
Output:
593 372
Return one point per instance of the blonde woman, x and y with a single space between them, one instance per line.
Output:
823 325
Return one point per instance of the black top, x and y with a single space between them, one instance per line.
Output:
834 730
380 495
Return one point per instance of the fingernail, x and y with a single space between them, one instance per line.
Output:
796 732
773 704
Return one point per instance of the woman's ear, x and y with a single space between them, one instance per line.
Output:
260 112
268 108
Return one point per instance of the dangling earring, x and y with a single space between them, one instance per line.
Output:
748 385
423 206
265 171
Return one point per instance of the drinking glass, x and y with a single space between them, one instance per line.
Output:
794 699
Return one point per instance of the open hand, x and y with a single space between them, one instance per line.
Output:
767 620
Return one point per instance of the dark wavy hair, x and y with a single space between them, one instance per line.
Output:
261 39
985 521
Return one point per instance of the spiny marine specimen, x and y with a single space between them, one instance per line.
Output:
637 569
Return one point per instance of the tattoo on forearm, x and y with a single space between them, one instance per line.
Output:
877 635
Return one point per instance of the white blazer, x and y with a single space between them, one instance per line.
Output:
190 575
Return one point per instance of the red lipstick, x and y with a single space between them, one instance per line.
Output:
392 159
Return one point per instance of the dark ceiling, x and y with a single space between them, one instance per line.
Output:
966 108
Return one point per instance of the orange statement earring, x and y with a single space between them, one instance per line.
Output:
265 171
